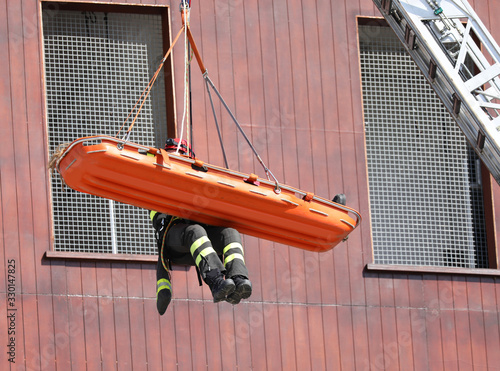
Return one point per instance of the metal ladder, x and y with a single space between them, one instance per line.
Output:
461 61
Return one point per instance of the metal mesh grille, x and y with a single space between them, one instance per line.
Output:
425 193
97 65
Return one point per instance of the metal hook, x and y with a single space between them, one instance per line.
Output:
125 139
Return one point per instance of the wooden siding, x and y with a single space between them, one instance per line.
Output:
290 70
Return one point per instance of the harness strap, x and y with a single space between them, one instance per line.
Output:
170 224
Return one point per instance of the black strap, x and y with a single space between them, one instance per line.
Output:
200 281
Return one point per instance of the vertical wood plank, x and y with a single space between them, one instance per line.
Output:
360 336
390 338
301 332
287 337
88 278
214 339
271 329
61 331
76 333
257 336
267 271
183 335
346 337
74 278
240 61
432 322
463 340
316 338
474 299
478 339
226 323
332 338
327 275
198 336
405 343
107 333
419 336
434 343
242 336
153 333
449 342
375 361
491 320
47 338
492 340
138 343
122 333
92 345
226 83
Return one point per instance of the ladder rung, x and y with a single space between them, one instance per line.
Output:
482 78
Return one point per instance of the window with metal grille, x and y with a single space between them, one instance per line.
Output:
426 196
97 64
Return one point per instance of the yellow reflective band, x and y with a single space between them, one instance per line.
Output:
233 256
233 245
206 251
200 241
163 284
152 214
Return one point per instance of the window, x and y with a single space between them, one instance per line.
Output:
426 195
97 63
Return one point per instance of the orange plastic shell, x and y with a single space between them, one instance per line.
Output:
153 179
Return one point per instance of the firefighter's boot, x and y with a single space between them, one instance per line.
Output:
163 295
243 290
219 286
163 288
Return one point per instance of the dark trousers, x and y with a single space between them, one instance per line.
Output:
201 245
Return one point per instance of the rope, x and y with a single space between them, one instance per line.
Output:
55 158
268 172
185 15
148 88
217 125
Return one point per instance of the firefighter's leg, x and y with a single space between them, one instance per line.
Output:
206 259
163 285
228 242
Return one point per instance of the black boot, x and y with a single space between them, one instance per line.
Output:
243 290
340 199
163 288
218 285
163 295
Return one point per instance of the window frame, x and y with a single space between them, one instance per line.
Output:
488 204
171 115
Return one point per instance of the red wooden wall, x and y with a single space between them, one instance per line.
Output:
290 70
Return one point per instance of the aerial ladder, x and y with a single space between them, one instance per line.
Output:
461 61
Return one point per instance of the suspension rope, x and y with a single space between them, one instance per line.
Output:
184 8
268 172
217 124
147 90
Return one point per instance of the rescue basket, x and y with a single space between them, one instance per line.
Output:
153 179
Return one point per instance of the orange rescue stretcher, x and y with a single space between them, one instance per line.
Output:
153 179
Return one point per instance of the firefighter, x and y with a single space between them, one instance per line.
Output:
182 241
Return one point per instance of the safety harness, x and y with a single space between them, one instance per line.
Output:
167 263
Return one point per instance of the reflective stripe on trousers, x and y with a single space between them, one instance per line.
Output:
233 251
162 284
201 248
